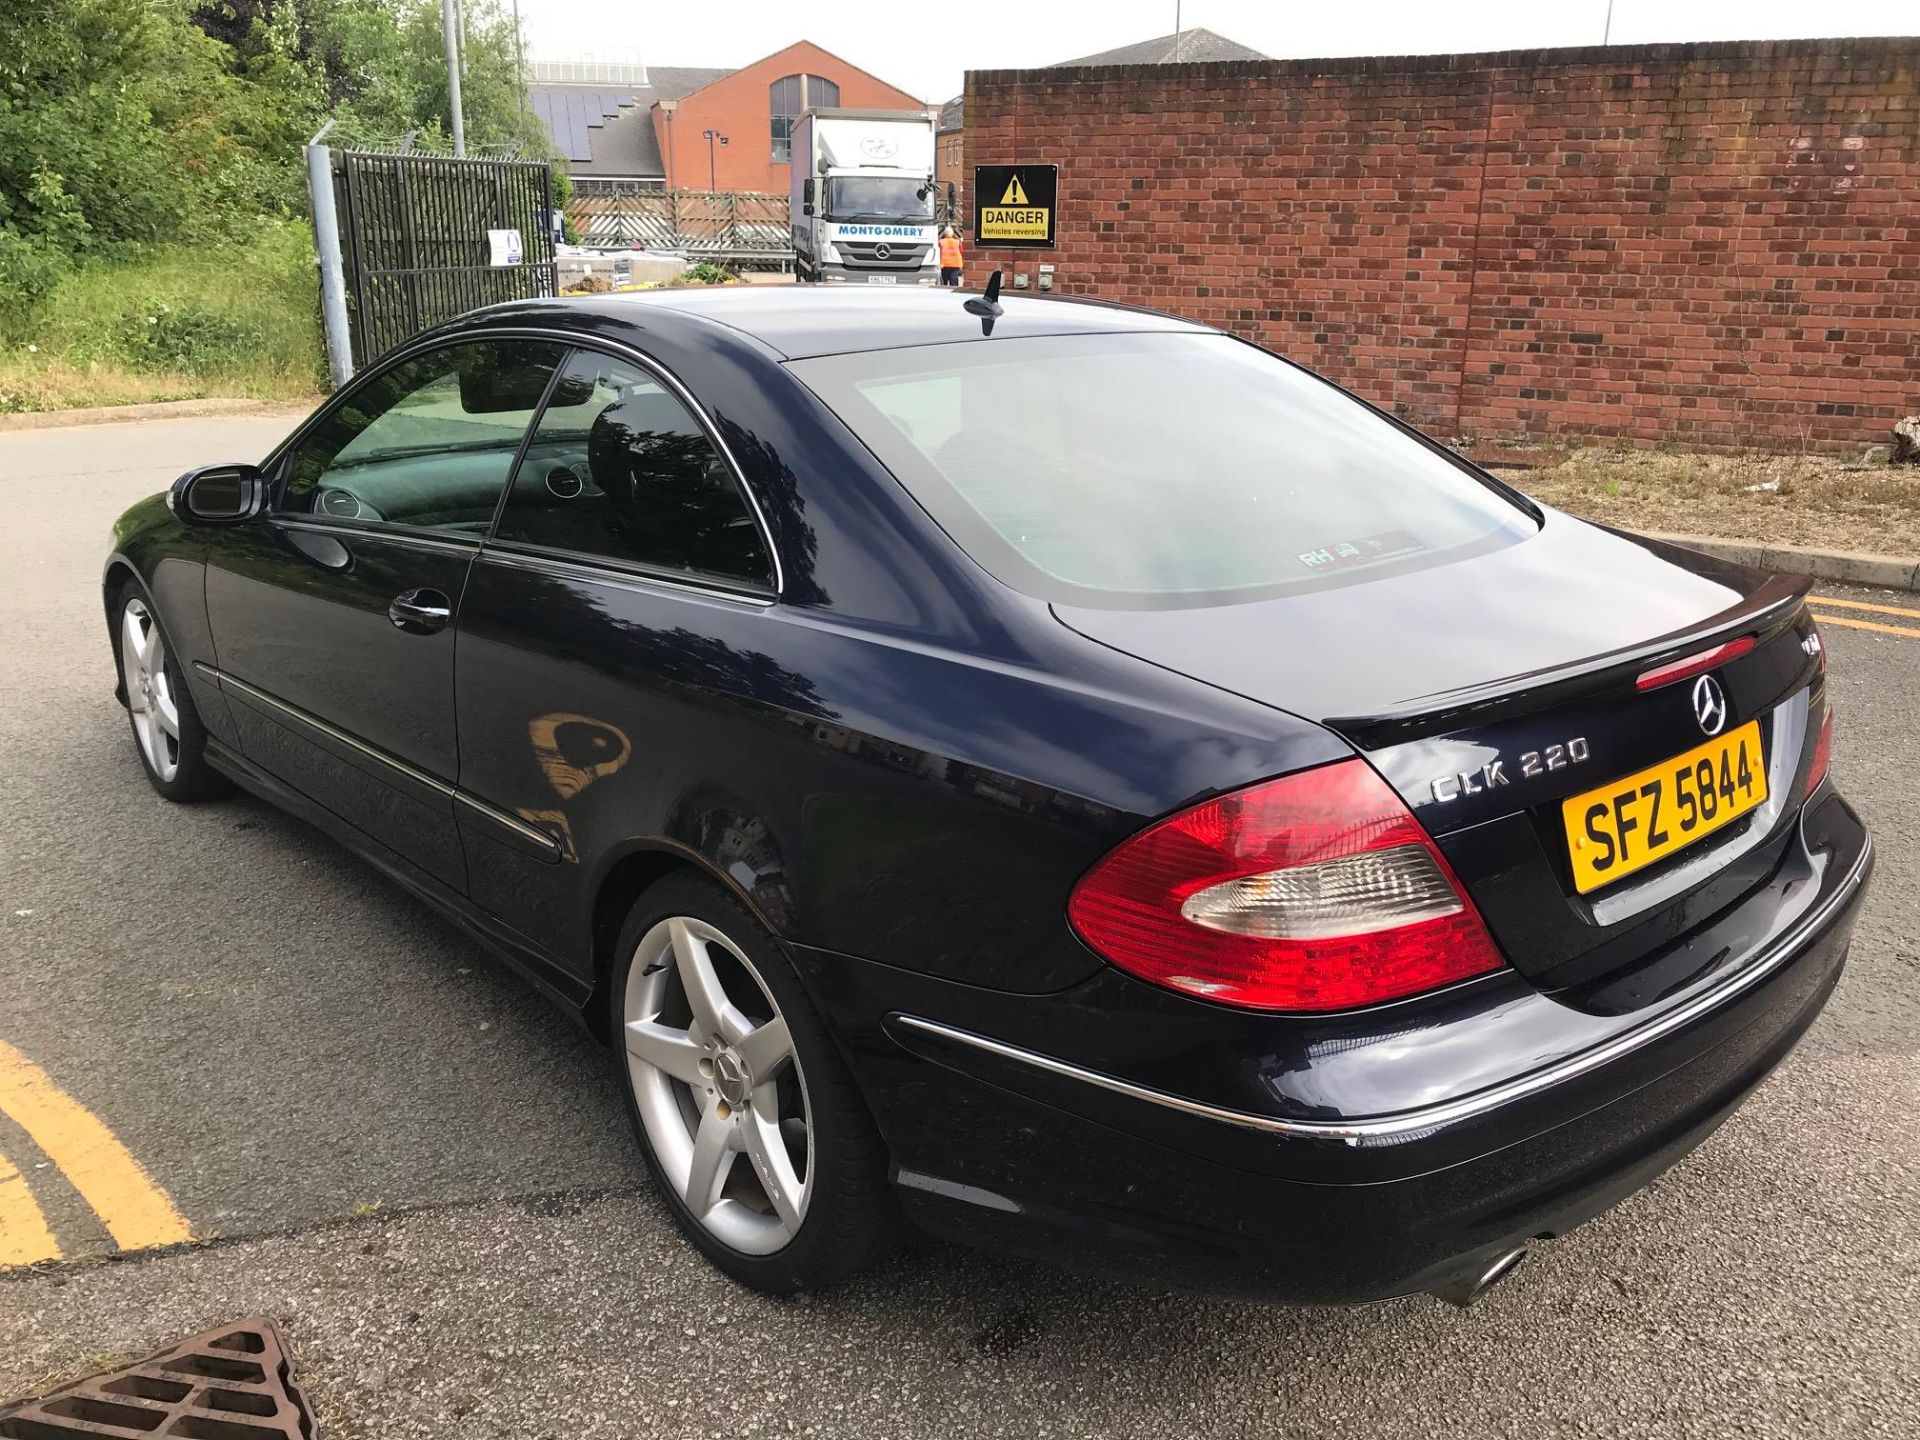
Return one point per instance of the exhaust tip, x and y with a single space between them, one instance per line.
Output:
1464 1290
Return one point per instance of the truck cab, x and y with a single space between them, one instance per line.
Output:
864 201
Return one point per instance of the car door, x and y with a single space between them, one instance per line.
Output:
606 640
333 616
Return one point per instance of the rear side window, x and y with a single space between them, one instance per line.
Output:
1157 470
620 469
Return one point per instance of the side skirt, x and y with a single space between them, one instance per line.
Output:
562 989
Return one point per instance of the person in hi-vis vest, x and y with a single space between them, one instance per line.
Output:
951 259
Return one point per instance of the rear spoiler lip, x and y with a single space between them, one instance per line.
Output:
1772 606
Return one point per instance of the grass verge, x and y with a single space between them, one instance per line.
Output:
1817 500
173 323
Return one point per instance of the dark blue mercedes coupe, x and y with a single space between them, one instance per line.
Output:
1033 769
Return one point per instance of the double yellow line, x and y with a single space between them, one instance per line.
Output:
135 1211
1819 602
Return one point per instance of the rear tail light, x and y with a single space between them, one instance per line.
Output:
1822 752
1823 742
1316 891
1689 666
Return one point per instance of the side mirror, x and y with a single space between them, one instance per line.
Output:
219 495
806 197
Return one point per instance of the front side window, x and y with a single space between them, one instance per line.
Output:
620 469
1158 470
790 97
427 443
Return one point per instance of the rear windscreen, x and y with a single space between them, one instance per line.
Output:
1157 469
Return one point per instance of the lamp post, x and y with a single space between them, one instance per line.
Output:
714 137
451 25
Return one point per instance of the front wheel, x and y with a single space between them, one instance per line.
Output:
167 733
751 1123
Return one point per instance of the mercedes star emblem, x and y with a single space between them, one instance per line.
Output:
1709 705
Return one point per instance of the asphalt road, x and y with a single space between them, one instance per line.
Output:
398 1152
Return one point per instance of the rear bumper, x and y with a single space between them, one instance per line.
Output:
1017 1146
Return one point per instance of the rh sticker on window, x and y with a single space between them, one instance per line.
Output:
1364 551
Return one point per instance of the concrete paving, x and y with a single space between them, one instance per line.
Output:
1847 567
424 1175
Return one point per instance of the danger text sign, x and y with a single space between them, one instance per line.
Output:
1015 204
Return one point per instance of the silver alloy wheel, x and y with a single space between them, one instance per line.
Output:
156 714
715 1078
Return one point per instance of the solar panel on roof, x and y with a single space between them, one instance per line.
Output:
577 116
569 115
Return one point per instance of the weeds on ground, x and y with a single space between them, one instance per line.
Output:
171 323
1795 498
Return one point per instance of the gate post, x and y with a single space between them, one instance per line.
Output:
326 244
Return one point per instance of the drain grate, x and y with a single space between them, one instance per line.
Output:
233 1383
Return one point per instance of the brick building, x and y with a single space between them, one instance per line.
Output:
600 115
649 127
1715 243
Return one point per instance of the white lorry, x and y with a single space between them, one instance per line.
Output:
864 202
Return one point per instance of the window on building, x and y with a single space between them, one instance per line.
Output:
790 97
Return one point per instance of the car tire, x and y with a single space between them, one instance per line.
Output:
684 1085
167 733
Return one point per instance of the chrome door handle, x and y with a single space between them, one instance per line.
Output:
420 612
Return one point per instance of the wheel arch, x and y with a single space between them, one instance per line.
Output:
112 580
626 874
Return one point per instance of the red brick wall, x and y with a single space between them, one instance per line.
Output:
737 107
1718 244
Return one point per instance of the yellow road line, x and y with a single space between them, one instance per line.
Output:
136 1212
24 1236
1865 625
1861 605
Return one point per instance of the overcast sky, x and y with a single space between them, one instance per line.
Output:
910 45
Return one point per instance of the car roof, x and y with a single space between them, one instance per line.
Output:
797 321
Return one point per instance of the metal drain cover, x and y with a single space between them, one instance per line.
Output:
233 1383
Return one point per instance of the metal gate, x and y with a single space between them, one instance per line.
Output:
415 243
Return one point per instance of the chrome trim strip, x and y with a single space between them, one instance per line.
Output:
1434 1117
419 777
375 530
585 569
511 822
332 732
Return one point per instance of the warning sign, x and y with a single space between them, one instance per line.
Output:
1014 204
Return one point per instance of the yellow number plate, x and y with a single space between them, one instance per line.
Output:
1629 823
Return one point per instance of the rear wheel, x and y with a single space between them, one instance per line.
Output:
750 1121
167 733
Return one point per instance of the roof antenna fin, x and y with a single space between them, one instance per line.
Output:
987 305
